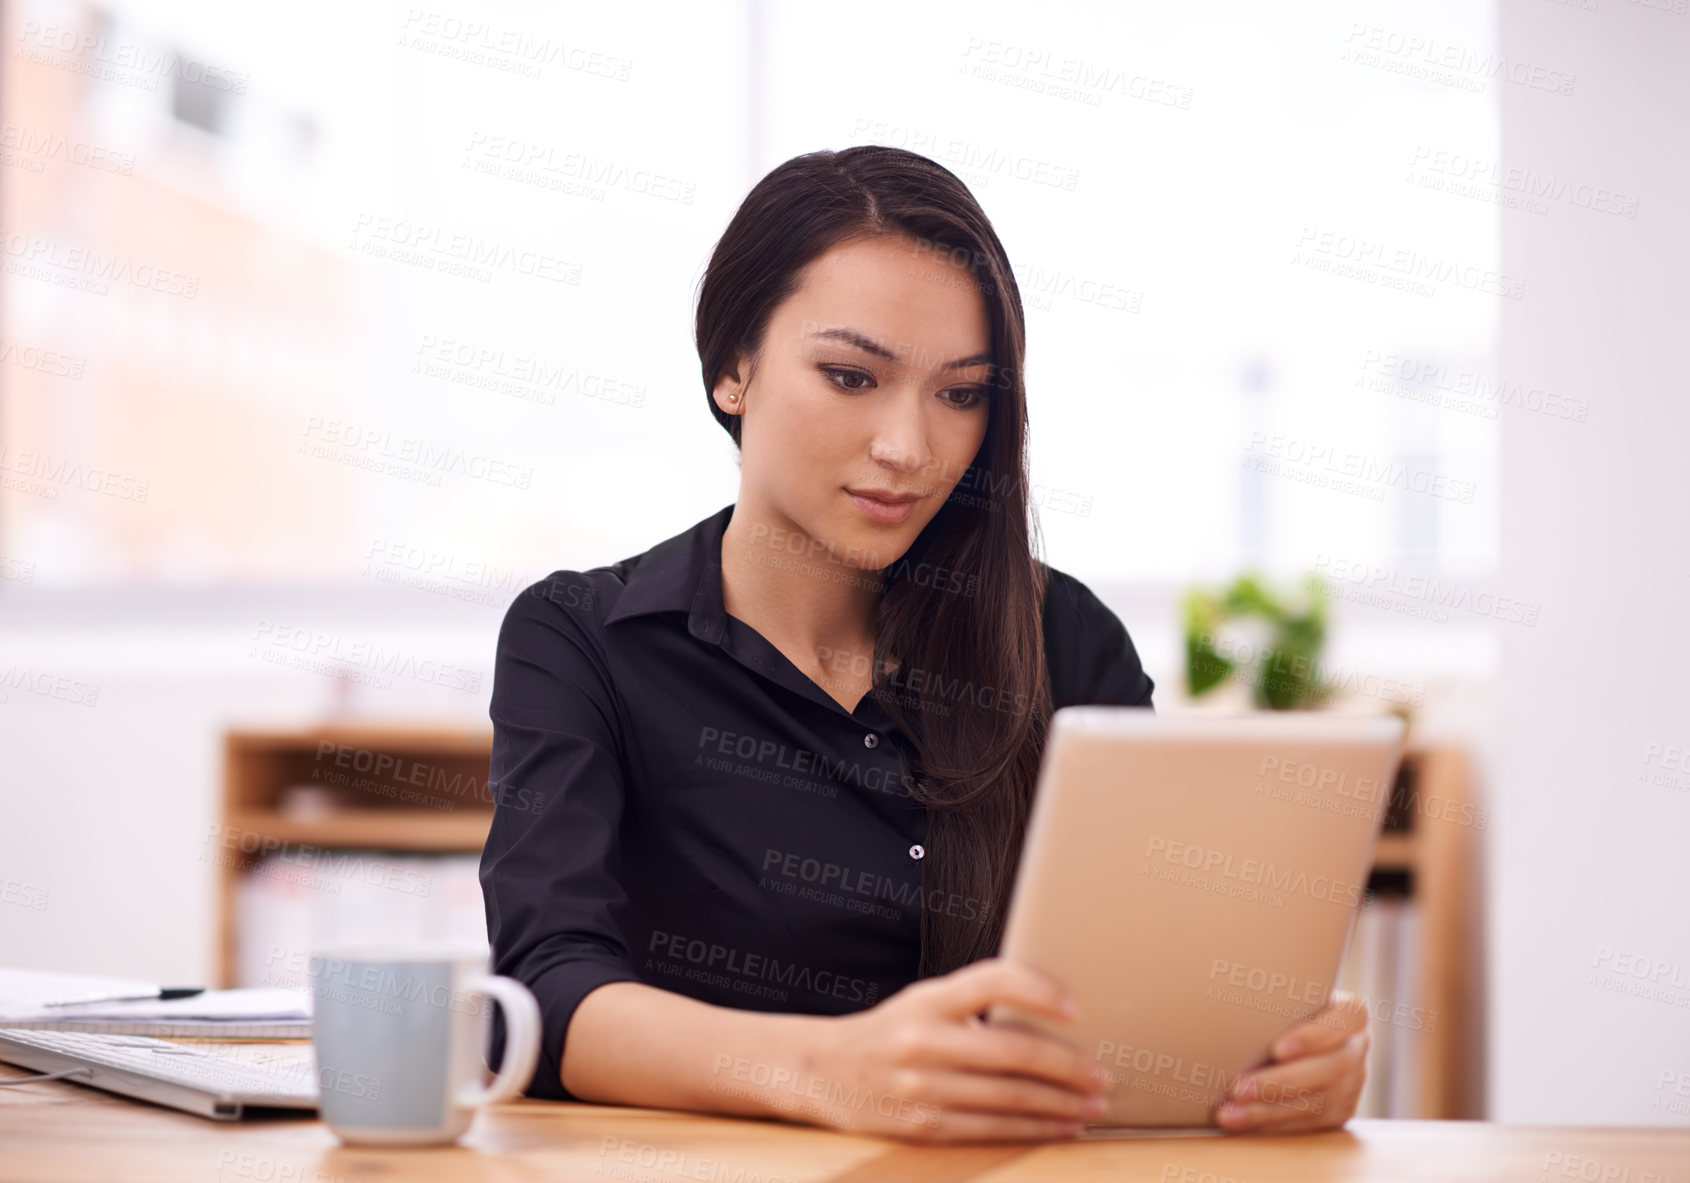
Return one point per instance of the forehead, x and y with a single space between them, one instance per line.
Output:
918 302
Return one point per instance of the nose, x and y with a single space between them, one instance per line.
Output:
900 433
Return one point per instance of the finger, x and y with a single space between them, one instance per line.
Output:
1281 1108
1341 1018
1316 1087
976 987
1315 1110
989 1127
1307 1073
1003 1051
1012 1096
1325 1121
1263 1115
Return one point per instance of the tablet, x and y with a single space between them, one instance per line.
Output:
1193 881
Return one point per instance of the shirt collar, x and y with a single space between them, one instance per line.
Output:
681 574
684 574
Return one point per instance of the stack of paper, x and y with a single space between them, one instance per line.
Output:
212 1014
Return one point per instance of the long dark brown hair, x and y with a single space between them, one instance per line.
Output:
970 693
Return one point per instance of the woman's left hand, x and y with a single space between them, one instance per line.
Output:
1315 1079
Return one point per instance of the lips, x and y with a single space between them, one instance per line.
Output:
889 497
889 512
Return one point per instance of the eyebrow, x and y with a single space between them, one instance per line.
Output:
868 344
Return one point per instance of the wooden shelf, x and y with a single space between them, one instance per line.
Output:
382 829
1395 852
418 788
401 787
445 740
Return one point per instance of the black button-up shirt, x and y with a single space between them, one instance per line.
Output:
678 804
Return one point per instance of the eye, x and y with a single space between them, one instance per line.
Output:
976 396
836 373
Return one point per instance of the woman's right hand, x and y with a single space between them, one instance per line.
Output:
922 1065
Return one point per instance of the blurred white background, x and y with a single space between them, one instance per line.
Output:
352 321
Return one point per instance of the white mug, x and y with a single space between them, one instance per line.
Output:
400 1032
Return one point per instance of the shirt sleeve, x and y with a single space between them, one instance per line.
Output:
1092 659
549 869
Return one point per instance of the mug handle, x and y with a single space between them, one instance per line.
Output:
522 1039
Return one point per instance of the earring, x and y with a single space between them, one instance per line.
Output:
733 398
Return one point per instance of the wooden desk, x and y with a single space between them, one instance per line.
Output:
58 1131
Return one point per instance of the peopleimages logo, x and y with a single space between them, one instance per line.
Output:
803 761
1368 473
514 158
133 62
345 866
451 252
43 475
279 641
90 268
759 967
1374 257
40 146
867 884
47 685
381 451
511 50
1429 380
1427 595
1254 872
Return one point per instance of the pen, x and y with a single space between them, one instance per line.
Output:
164 994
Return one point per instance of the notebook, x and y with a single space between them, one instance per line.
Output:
256 1013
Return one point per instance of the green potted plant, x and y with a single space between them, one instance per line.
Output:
1285 672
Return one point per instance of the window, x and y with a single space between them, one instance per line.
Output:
356 297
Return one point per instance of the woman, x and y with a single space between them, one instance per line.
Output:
761 789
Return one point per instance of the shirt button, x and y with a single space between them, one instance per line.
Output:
871 740
916 852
